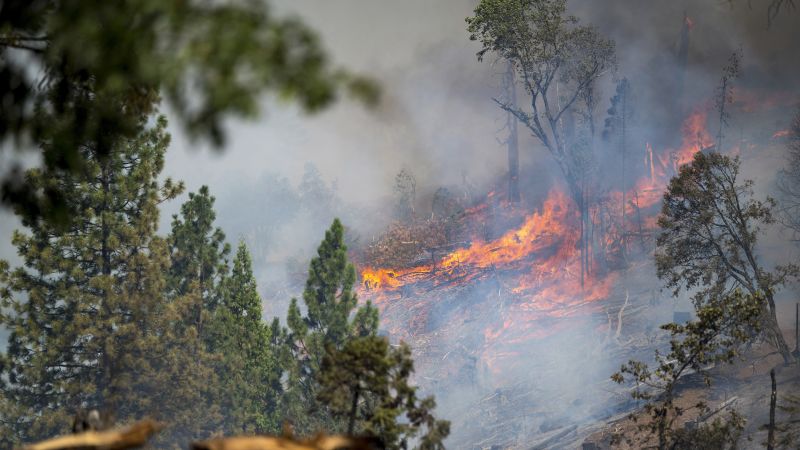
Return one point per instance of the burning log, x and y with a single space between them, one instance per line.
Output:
134 436
320 442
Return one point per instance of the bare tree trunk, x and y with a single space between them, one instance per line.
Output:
796 352
512 142
581 205
624 185
639 220
351 426
772 400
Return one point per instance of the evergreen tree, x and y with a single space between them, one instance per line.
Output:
90 326
198 248
329 302
342 377
249 374
366 384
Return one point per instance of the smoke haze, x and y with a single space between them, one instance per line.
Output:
280 181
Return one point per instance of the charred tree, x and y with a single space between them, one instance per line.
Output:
773 397
512 141
682 57
724 95
616 129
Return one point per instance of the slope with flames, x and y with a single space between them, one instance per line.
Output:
540 259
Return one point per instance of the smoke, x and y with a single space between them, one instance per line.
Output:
437 121
280 181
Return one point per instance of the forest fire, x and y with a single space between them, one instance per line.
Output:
695 137
539 260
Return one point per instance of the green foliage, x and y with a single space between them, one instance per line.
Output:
107 315
90 326
722 326
546 47
248 370
198 248
341 376
721 434
709 229
329 301
68 67
366 384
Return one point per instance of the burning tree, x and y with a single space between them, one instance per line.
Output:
558 63
710 224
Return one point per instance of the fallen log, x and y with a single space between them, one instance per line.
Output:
133 436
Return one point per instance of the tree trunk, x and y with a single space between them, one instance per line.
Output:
662 429
106 386
772 400
796 352
624 185
780 342
512 142
583 237
351 426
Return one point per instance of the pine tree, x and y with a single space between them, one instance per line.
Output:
366 385
90 326
198 248
249 372
329 302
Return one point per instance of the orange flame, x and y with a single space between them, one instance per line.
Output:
541 257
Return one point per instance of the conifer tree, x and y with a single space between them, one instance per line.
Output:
341 376
329 302
198 248
90 326
249 374
366 385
